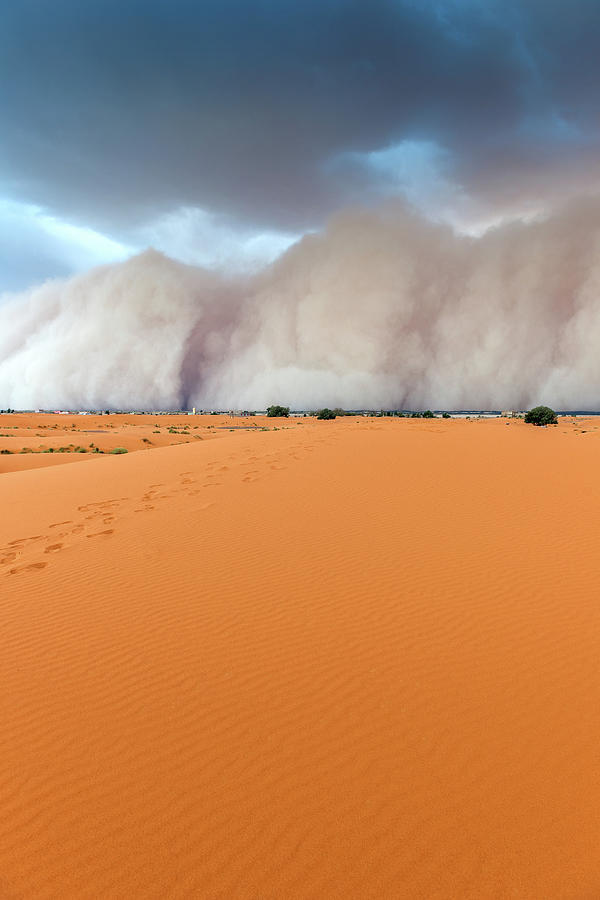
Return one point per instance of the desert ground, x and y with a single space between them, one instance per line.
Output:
257 658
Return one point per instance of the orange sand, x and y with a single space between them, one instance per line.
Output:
33 441
344 659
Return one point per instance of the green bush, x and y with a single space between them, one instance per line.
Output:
326 414
278 412
119 450
428 414
541 415
446 415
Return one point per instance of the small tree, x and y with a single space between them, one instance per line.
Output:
326 414
428 414
541 415
278 412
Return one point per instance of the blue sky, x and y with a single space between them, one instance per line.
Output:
219 132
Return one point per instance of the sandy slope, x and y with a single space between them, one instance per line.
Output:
348 659
30 441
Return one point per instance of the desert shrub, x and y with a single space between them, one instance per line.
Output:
278 412
446 415
541 415
326 414
5 452
428 414
119 450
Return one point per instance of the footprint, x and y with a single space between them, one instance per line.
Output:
10 557
52 548
29 568
102 504
58 524
100 533
36 537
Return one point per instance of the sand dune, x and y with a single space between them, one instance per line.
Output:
29 441
343 659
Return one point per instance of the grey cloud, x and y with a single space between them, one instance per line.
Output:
117 112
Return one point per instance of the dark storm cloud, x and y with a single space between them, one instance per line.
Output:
114 113
115 109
